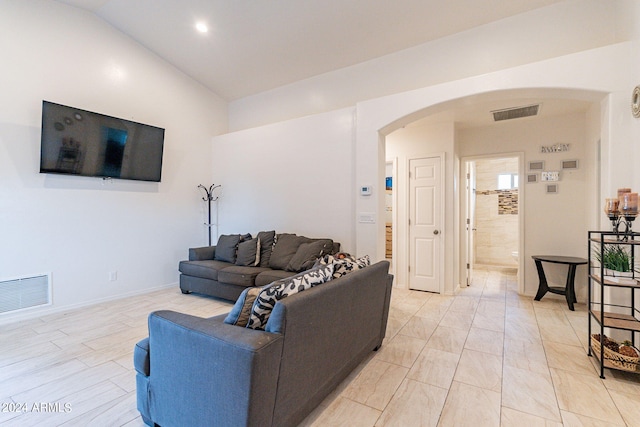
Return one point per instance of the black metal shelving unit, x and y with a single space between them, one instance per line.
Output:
606 314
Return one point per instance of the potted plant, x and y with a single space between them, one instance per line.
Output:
616 262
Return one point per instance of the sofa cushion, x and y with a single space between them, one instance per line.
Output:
248 252
270 295
205 269
240 275
269 276
226 247
266 239
284 249
308 253
239 314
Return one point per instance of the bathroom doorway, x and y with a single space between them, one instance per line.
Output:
492 213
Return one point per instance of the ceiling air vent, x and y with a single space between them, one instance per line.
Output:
515 113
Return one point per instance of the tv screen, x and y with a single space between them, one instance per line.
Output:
79 142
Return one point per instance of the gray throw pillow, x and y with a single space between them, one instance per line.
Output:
308 253
266 246
241 311
248 253
226 248
285 248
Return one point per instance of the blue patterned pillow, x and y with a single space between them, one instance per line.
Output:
281 289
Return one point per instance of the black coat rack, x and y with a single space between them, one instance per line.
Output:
210 197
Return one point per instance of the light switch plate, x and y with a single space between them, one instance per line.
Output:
367 218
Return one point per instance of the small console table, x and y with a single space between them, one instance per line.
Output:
569 290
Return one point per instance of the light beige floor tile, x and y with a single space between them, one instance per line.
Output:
491 321
376 384
401 350
625 382
415 404
551 317
419 327
56 390
568 357
457 319
585 395
117 412
80 403
448 339
569 419
521 331
513 418
564 334
491 307
486 341
525 355
521 315
435 367
393 327
628 405
529 392
347 413
480 369
470 406
464 304
435 308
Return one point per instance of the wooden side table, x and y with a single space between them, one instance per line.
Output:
569 289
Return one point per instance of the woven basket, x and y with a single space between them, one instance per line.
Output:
616 359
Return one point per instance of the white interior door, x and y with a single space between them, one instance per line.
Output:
425 223
470 218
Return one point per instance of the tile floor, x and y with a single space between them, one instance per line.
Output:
485 357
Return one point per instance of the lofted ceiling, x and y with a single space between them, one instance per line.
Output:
253 46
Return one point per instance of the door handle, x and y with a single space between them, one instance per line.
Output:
436 232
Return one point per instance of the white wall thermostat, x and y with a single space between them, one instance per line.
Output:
365 190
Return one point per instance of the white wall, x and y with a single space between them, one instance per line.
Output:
80 229
292 177
557 30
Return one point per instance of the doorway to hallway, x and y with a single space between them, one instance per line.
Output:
492 213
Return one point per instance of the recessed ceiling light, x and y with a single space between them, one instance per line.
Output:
202 27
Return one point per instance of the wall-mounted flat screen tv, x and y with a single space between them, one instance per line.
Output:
79 142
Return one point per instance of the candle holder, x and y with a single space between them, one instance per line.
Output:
629 217
622 212
625 220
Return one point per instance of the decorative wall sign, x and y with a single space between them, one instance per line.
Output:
557 148
550 176
552 188
536 165
569 164
532 178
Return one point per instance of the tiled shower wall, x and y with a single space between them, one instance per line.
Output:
496 213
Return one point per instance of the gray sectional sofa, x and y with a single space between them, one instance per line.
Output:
241 261
194 371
